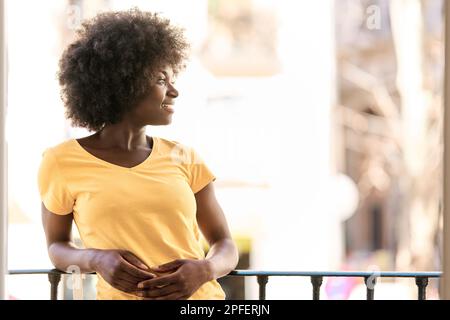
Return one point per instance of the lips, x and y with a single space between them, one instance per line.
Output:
168 107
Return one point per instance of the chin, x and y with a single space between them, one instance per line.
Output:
160 123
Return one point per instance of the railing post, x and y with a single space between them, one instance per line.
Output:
316 282
54 277
370 286
262 281
422 283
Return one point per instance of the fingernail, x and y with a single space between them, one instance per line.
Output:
140 286
143 266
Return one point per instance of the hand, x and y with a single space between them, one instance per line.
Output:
178 285
121 269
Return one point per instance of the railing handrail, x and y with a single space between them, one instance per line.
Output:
40 271
246 272
387 274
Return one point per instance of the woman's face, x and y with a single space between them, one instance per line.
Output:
158 107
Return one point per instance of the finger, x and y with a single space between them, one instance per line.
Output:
123 286
169 289
126 281
155 271
130 280
126 273
131 258
126 278
159 281
135 271
170 265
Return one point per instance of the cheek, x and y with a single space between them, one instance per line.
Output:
151 102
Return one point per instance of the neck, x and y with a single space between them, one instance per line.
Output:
124 137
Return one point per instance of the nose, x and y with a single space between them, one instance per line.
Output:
172 91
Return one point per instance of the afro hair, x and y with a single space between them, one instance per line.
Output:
106 71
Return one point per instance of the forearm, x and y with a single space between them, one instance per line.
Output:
64 254
222 258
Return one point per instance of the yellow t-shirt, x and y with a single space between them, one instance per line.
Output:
149 209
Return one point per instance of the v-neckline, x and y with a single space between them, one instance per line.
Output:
116 166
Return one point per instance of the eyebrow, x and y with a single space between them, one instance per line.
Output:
166 74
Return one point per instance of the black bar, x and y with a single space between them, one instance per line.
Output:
316 282
422 283
54 277
262 281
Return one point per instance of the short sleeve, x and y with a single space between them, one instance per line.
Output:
200 175
52 187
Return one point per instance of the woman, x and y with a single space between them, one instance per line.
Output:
139 202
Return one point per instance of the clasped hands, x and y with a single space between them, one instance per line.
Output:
175 280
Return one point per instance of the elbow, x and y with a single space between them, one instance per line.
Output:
236 255
55 253
235 250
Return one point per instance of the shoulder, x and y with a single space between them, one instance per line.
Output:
173 145
51 159
169 142
60 149
180 151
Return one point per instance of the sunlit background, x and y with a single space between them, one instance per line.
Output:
322 121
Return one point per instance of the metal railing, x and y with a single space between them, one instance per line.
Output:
370 278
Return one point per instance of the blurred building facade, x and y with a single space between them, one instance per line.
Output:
296 107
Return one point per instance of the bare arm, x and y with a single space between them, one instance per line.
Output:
61 251
119 268
223 255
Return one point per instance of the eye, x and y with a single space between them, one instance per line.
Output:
162 81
